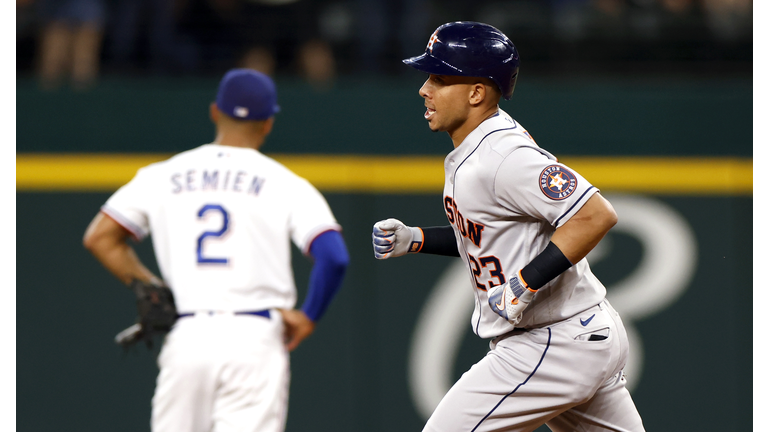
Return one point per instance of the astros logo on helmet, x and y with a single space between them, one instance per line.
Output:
432 41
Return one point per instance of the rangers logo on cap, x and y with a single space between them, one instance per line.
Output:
241 111
557 182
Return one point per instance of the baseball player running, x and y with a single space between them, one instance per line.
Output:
522 223
222 217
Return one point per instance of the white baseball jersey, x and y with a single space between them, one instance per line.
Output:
504 197
221 218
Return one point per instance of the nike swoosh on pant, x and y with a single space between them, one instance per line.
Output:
585 322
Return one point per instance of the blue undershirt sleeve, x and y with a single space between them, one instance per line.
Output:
331 260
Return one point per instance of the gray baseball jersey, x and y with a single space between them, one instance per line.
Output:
504 197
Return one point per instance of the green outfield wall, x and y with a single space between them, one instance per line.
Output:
680 242
606 116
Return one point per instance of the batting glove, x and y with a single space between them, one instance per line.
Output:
392 238
509 300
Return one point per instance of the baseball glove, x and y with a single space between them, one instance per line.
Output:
157 314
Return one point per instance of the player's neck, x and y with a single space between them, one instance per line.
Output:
244 140
474 120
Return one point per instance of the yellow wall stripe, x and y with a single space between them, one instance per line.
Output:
400 174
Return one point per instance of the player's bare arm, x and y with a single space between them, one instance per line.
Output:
107 241
577 237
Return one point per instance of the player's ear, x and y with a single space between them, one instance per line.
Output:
214 112
268 124
477 93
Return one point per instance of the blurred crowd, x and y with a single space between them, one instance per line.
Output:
74 42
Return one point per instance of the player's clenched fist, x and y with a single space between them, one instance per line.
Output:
392 238
510 299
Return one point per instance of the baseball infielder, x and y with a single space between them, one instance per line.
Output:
522 223
222 217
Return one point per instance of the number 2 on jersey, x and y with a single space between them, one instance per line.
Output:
224 227
493 265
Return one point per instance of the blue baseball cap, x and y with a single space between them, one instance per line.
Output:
247 94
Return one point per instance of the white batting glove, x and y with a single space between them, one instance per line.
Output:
392 238
510 299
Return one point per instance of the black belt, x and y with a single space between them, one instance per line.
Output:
263 313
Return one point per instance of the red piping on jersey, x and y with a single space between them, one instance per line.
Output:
309 245
125 226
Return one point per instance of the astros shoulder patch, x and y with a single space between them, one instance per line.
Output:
557 182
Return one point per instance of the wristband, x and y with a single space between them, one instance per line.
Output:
549 264
417 240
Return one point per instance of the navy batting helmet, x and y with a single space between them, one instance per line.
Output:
474 49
